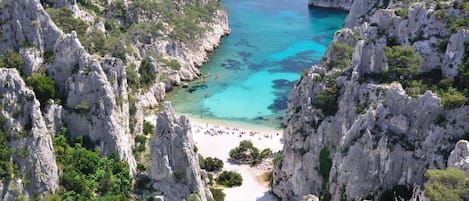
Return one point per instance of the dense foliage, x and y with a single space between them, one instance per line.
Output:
218 194
326 101
88 176
446 185
229 179
342 54
325 164
11 59
148 128
147 73
43 87
63 18
247 153
402 61
6 167
210 164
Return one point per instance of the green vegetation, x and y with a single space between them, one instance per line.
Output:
11 59
82 107
148 128
43 87
229 179
401 12
88 5
185 18
88 176
276 158
147 73
402 61
133 79
193 197
94 41
6 167
139 148
446 185
325 164
342 54
218 194
179 174
326 101
49 56
247 153
173 64
210 164
63 18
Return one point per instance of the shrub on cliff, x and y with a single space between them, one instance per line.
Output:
43 87
402 61
326 101
229 179
341 54
11 59
446 185
88 176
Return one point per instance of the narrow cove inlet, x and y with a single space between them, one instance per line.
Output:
249 76
243 91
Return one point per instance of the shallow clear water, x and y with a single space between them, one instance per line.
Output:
254 68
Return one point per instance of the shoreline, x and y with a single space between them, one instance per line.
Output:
215 138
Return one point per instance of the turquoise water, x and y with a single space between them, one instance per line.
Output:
254 68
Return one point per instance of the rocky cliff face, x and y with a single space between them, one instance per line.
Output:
353 133
174 164
28 139
95 98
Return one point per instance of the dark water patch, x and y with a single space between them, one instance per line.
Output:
196 87
245 55
283 84
245 43
255 67
231 64
260 118
294 65
280 103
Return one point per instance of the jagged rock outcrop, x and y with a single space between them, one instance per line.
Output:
174 164
459 157
378 136
28 138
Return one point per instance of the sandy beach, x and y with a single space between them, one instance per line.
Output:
216 138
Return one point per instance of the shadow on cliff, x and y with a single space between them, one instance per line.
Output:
267 197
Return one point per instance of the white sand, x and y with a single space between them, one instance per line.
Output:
219 145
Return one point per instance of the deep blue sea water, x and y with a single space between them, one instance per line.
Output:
253 70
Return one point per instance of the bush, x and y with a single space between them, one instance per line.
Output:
341 54
11 59
88 176
229 179
43 87
325 163
179 174
49 56
401 12
193 197
94 41
402 61
82 107
147 73
63 18
133 80
452 99
247 153
140 139
326 101
148 128
446 185
218 194
211 164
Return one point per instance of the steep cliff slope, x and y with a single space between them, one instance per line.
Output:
175 166
27 158
387 102
107 62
